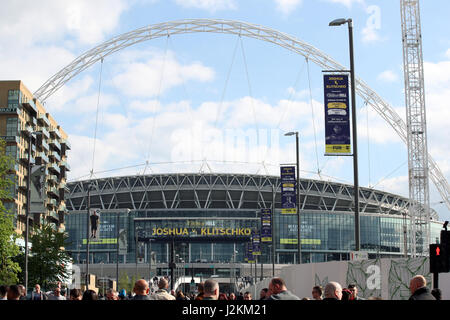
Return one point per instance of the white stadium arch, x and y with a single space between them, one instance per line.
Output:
243 29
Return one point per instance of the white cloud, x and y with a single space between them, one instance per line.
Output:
347 3
388 76
209 5
287 6
447 54
48 20
132 72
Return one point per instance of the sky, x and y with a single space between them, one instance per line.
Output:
206 102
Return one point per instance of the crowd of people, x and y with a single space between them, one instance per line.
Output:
209 290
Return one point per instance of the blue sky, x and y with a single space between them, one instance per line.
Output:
174 100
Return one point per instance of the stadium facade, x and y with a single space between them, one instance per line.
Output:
209 217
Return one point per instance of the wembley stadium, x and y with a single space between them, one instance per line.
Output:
207 220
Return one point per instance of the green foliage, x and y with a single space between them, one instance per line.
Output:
47 263
9 269
124 282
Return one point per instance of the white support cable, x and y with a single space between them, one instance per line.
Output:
313 118
220 26
96 117
158 100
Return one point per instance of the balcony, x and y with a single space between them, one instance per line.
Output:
53 191
55 132
22 184
52 216
62 208
41 158
65 143
55 155
52 178
51 203
24 158
54 143
54 168
44 132
30 105
42 118
65 165
27 130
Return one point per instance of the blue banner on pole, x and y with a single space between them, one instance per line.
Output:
266 225
337 118
256 243
288 191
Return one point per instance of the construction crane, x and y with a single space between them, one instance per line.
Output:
419 236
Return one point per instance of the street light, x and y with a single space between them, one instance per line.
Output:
289 134
339 22
88 235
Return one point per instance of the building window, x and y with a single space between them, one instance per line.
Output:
11 127
13 98
11 151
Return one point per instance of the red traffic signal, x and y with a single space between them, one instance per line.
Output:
438 259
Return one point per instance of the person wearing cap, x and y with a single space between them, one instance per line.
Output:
123 295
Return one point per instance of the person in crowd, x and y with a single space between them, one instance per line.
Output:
75 294
90 295
180 296
333 291
306 298
13 293
162 293
346 294
317 293
23 292
141 290
37 294
123 295
211 290
111 294
223 296
354 290
437 293
263 293
200 291
232 296
278 290
3 292
418 289
57 295
240 296
247 296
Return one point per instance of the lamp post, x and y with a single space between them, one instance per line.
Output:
298 194
88 235
339 22
27 213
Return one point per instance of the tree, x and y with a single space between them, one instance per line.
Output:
124 282
9 269
48 260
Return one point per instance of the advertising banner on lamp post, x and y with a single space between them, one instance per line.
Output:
256 243
266 225
337 118
288 190
94 219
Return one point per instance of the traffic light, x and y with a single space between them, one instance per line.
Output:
438 258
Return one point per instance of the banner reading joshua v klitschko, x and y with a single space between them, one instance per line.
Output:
337 124
288 191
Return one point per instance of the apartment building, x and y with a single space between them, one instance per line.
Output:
23 120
